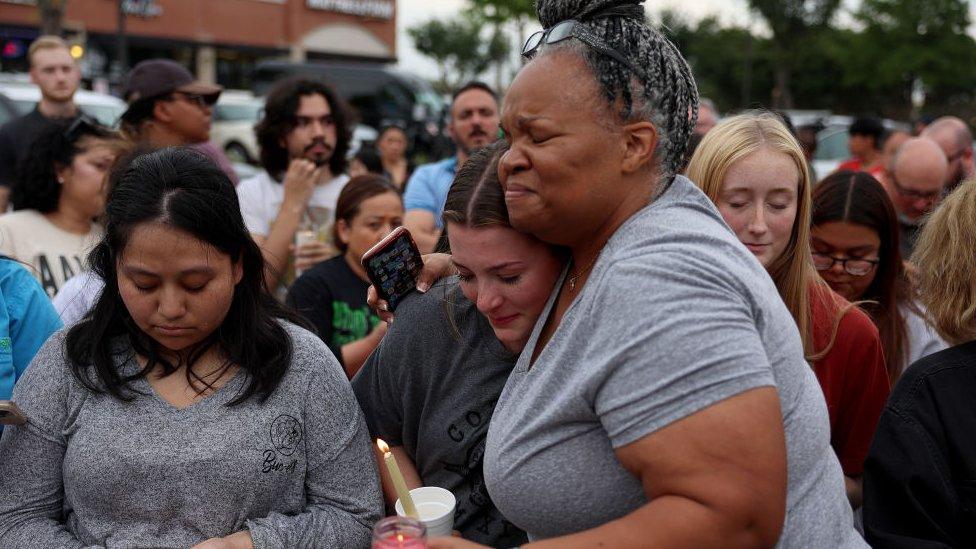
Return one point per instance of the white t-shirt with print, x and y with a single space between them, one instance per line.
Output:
53 254
261 198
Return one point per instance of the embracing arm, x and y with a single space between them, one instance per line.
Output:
716 478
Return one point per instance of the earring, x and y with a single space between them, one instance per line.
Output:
60 180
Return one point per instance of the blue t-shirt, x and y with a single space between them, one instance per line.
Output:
428 186
27 318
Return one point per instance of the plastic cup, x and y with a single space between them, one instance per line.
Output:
436 508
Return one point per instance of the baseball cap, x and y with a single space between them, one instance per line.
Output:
158 77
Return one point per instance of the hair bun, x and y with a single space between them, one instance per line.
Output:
551 12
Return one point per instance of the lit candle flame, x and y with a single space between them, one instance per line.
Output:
382 446
400 538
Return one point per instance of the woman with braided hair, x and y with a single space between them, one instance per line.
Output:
662 399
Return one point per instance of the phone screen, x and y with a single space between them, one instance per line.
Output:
394 270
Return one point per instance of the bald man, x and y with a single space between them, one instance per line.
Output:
916 182
956 141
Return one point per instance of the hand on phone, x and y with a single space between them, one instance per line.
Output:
436 267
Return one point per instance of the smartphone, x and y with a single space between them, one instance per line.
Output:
393 266
10 413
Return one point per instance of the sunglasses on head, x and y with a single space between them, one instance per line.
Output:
571 28
81 125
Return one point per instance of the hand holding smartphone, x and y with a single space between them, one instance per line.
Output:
393 266
10 413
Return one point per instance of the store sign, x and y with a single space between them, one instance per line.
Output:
381 9
142 8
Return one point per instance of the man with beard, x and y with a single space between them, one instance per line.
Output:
956 141
55 72
289 209
474 124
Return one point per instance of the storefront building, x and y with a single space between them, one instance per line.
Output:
220 40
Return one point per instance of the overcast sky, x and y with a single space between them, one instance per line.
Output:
411 12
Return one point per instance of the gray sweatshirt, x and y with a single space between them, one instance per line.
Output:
90 470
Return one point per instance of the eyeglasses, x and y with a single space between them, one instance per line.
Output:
198 99
912 193
854 266
571 28
82 124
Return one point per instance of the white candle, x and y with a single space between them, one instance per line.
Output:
399 484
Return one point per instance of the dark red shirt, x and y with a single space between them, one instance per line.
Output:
852 376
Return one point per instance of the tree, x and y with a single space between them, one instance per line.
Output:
793 24
459 47
906 41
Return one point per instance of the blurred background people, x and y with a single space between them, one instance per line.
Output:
956 141
753 169
854 236
707 117
57 196
56 74
332 294
392 146
916 181
918 481
865 146
304 137
473 124
168 107
366 161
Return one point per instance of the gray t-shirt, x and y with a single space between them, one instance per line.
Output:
431 387
90 470
677 315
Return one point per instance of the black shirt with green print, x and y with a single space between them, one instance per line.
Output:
333 298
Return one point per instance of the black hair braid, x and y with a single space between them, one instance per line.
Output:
666 94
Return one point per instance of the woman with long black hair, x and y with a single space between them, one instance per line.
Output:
185 409
854 241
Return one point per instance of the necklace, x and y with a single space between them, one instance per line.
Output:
574 278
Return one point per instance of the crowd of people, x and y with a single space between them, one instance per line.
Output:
639 323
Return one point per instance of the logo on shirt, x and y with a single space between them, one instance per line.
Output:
286 434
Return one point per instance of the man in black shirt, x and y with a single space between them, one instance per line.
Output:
55 72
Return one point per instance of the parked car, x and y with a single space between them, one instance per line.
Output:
104 108
234 117
832 142
8 109
380 95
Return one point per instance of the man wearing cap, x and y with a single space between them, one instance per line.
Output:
56 74
168 107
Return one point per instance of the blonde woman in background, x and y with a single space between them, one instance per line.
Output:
918 488
754 170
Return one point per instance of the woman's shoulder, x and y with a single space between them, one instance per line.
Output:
310 356
22 218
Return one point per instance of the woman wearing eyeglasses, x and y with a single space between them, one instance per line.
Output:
662 399
59 191
854 237
754 170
